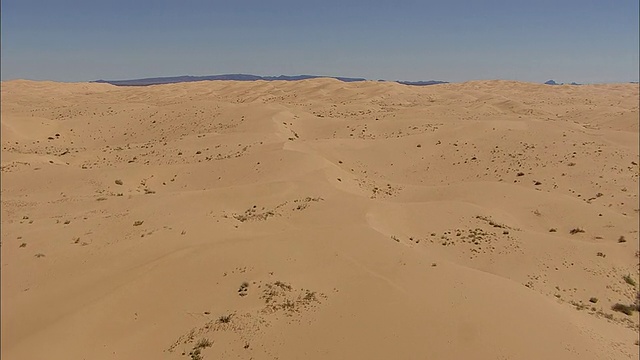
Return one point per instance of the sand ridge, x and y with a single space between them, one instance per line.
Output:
318 219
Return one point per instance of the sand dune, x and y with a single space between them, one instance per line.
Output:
319 220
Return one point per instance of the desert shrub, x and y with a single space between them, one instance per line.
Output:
629 280
625 309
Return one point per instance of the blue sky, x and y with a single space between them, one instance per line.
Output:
535 40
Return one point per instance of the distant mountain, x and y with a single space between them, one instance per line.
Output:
242 77
234 77
552 82
422 83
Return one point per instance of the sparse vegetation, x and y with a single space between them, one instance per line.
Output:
310 296
244 287
625 309
576 231
288 305
282 285
279 296
493 223
629 280
252 214
196 353
579 306
224 319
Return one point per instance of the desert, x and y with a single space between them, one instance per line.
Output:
319 219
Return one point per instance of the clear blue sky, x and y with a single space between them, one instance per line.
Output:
534 40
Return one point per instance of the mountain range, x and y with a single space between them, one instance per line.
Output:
553 82
243 77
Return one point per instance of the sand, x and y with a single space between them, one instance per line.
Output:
319 220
